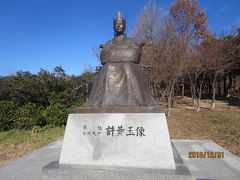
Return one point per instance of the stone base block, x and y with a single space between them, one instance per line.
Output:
134 140
53 171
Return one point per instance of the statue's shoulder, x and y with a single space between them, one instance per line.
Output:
108 44
132 42
130 39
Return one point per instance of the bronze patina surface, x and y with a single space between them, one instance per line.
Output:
120 82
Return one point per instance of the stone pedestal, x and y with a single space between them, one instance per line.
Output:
138 140
116 143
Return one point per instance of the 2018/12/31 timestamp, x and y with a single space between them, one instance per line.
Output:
208 154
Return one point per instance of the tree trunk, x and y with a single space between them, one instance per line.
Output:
229 86
213 98
192 93
213 92
182 87
209 88
199 97
172 97
225 86
169 107
151 87
169 96
155 90
198 105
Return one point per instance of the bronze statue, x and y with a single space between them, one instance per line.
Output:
120 82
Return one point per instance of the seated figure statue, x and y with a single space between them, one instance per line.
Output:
120 82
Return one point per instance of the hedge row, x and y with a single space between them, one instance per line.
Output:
30 114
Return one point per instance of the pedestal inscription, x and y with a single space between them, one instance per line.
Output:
138 140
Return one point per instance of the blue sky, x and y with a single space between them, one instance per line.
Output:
38 34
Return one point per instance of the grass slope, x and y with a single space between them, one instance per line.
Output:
16 143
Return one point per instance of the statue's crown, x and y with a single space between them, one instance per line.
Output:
119 17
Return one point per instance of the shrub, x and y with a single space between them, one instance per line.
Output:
7 115
29 115
78 103
46 128
56 114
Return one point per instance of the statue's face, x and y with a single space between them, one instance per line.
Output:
119 26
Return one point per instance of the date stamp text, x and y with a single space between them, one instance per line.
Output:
208 154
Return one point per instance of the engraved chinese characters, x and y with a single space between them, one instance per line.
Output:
113 131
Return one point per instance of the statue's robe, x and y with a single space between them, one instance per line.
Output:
120 82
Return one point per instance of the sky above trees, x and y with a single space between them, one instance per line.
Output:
38 34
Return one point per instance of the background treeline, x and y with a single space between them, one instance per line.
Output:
182 56
35 100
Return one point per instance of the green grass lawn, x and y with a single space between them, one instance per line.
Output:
15 143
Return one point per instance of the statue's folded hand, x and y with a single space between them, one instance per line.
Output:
121 55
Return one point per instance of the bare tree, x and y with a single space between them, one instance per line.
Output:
169 41
147 32
96 52
196 74
189 22
190 25
219 56
148 23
